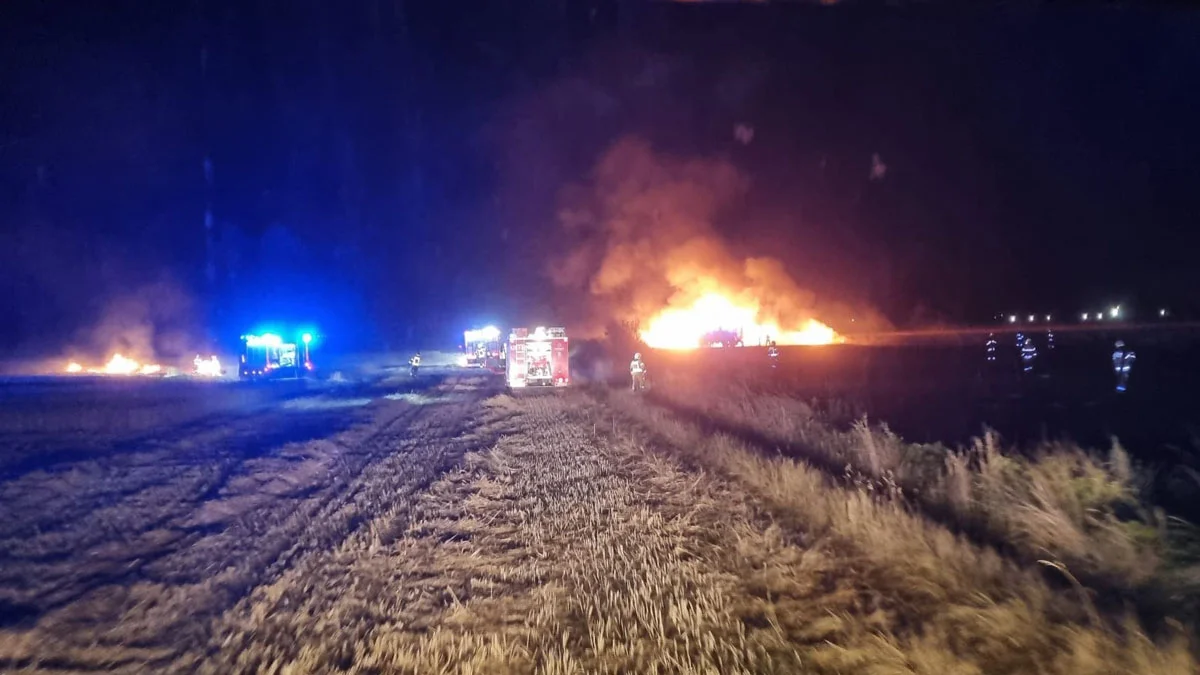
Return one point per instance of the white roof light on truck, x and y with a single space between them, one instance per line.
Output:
485 334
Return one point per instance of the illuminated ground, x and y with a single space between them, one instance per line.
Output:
443 526
161 502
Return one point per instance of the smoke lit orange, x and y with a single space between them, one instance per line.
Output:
685 328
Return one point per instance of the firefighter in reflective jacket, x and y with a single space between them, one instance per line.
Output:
991 347
414 364
1028 354
773 354
1122 363
637 372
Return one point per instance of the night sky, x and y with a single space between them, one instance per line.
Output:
393 171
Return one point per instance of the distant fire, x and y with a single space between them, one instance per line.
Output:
209 367
117 365
685 328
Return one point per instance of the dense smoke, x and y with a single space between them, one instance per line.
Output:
644 237
149 322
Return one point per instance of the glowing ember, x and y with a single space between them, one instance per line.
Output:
117 365
677 328
209 367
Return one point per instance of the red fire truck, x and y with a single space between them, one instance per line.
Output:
482 348
538 358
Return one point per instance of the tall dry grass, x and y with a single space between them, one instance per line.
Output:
922 599
1056 502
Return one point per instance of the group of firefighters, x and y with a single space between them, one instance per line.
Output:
1025 347
1122 358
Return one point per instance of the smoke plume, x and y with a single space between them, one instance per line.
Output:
643 238
149 322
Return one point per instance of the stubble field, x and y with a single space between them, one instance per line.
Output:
448 526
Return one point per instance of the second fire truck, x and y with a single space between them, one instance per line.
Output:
482 348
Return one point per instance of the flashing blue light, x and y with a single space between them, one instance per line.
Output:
307 338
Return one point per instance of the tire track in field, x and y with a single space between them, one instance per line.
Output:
386 500
148 599
550 551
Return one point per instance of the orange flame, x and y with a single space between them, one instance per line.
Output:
684 328
117 365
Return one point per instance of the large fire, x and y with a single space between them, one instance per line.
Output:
684 328
117 365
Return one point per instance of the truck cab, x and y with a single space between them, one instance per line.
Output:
269 356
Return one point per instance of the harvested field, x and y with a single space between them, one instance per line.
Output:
458 529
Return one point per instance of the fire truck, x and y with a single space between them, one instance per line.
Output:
538 358
269 356
482 348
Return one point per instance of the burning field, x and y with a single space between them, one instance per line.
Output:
122 365
148 331
687 327
442 525
645 249
117 365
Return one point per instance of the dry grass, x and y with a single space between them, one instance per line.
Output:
556 534
568 548
553 552
917 597
1053 502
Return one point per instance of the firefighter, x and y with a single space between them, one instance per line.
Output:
637 372
1028 354
1122 363
991 347
414 364
773 354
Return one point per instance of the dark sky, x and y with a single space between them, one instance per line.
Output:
392 169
